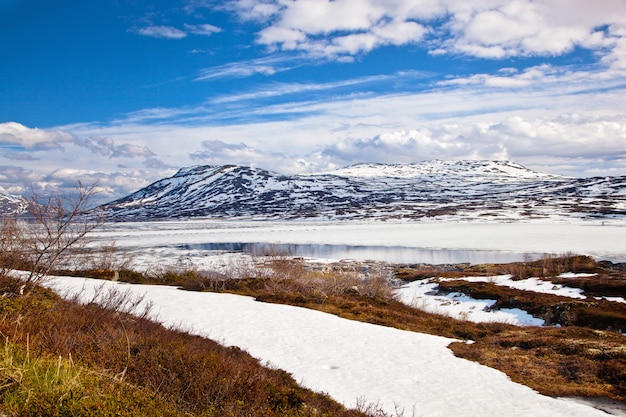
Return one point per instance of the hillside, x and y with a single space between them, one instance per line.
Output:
12 204
498 190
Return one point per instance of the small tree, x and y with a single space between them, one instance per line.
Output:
56 225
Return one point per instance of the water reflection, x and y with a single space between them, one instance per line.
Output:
392 254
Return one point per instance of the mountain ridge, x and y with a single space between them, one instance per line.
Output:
497 190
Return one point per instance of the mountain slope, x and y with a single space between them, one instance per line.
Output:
461 189
12 205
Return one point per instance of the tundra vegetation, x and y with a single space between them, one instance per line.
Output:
61 357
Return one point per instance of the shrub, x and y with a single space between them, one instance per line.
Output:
56 225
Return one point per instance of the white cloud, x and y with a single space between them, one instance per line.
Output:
165 32
215 151
109 184
17 180
106 146
336 28
585 139
260 10
323 16
16 134
488 29
542 76
20 156
202 29
240 69
498 29
289 89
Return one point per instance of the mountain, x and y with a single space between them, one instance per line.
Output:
433 189
12 205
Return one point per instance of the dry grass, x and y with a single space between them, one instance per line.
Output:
559 362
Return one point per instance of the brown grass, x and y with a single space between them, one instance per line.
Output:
556 362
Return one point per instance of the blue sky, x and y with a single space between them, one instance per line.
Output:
125 92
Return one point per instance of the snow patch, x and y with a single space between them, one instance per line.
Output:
423 295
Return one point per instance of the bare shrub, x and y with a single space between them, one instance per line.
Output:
373 409
57 226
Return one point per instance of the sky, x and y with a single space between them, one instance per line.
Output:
124 92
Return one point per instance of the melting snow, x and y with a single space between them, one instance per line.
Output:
529 284
423 295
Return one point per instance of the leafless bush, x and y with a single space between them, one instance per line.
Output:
373 409
57 225
105 257
293 275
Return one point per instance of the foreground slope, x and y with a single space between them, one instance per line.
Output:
401 371
459 189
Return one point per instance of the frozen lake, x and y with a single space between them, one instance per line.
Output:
391 254
201 241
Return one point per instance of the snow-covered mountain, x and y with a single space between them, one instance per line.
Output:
432 189
12 204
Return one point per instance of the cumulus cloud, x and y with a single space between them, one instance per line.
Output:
335 28
109 185
17 135
488 29
500 29
154 163
216 152
568 137
17 180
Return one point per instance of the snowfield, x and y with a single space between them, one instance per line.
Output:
402 372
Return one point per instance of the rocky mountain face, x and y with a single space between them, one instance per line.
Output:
12 205
472 190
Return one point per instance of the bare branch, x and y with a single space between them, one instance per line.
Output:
57 224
